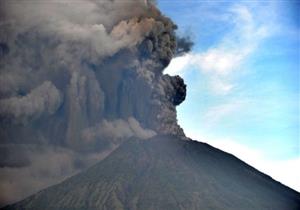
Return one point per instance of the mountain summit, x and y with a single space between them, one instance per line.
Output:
166 173
83 80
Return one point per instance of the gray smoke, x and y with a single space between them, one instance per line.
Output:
115 131
44 99
184 45
77 79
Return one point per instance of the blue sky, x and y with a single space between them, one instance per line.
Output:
243 80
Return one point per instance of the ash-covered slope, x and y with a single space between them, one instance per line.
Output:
78 79
166 173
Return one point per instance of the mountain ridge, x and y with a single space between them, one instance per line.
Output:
166 172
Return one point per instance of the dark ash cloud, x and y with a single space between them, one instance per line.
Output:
74 88
184 45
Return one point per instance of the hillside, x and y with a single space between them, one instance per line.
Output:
163 173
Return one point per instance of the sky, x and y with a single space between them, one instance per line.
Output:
242 80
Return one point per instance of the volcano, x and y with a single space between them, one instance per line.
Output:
166 173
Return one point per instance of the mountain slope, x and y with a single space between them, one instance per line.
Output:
166 173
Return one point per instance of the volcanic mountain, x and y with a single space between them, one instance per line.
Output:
166 173
83 80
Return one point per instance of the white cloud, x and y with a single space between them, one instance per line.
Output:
285 171
221 86
220 62
179 64
217 113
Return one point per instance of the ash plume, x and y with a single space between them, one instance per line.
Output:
184 45
77 79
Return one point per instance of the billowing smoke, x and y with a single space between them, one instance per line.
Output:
43 100
184 45
77 79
